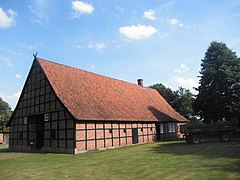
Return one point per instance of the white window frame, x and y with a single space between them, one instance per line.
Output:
161 128
171 127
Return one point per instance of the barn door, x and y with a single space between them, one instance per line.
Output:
134 135
40 131
36 131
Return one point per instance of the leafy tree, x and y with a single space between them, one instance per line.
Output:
181 100
166 93
5 113
218 96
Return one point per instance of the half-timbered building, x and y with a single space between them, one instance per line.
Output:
67 110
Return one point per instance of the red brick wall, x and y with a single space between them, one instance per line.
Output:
99 135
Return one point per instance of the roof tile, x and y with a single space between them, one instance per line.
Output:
90 96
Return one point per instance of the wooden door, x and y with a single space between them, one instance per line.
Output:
36 131
134 135
40 131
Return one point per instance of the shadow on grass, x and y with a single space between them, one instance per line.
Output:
207 149
233 168
4 150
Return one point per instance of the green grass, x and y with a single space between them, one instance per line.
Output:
161 160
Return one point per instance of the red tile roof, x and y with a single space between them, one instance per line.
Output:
90 96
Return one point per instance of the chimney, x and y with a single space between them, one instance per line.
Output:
140 82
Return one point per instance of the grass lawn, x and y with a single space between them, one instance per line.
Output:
161 160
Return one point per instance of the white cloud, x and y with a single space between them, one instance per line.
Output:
6 61
79 46
90 45
18 76
7 18
175 22
188 83
166 8
182 68
80 8
118 8
116 44
11 99
98 46
137 32
150 14
17 95
12 52
39 9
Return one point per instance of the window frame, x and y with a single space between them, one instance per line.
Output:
171 127
161 128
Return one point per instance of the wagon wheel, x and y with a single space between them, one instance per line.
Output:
195 140
226 137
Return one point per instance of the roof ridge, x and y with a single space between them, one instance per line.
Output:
144 87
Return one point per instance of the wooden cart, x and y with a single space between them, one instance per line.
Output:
194 133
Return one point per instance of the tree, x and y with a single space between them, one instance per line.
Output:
165 92
218 96
5 113
181 100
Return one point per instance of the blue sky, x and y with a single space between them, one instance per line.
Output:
158 40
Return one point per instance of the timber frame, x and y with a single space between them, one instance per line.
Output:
44 121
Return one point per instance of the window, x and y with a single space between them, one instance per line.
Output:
124 130
150 129
46 117
171 127
25 120
110 130
161 128
141 129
